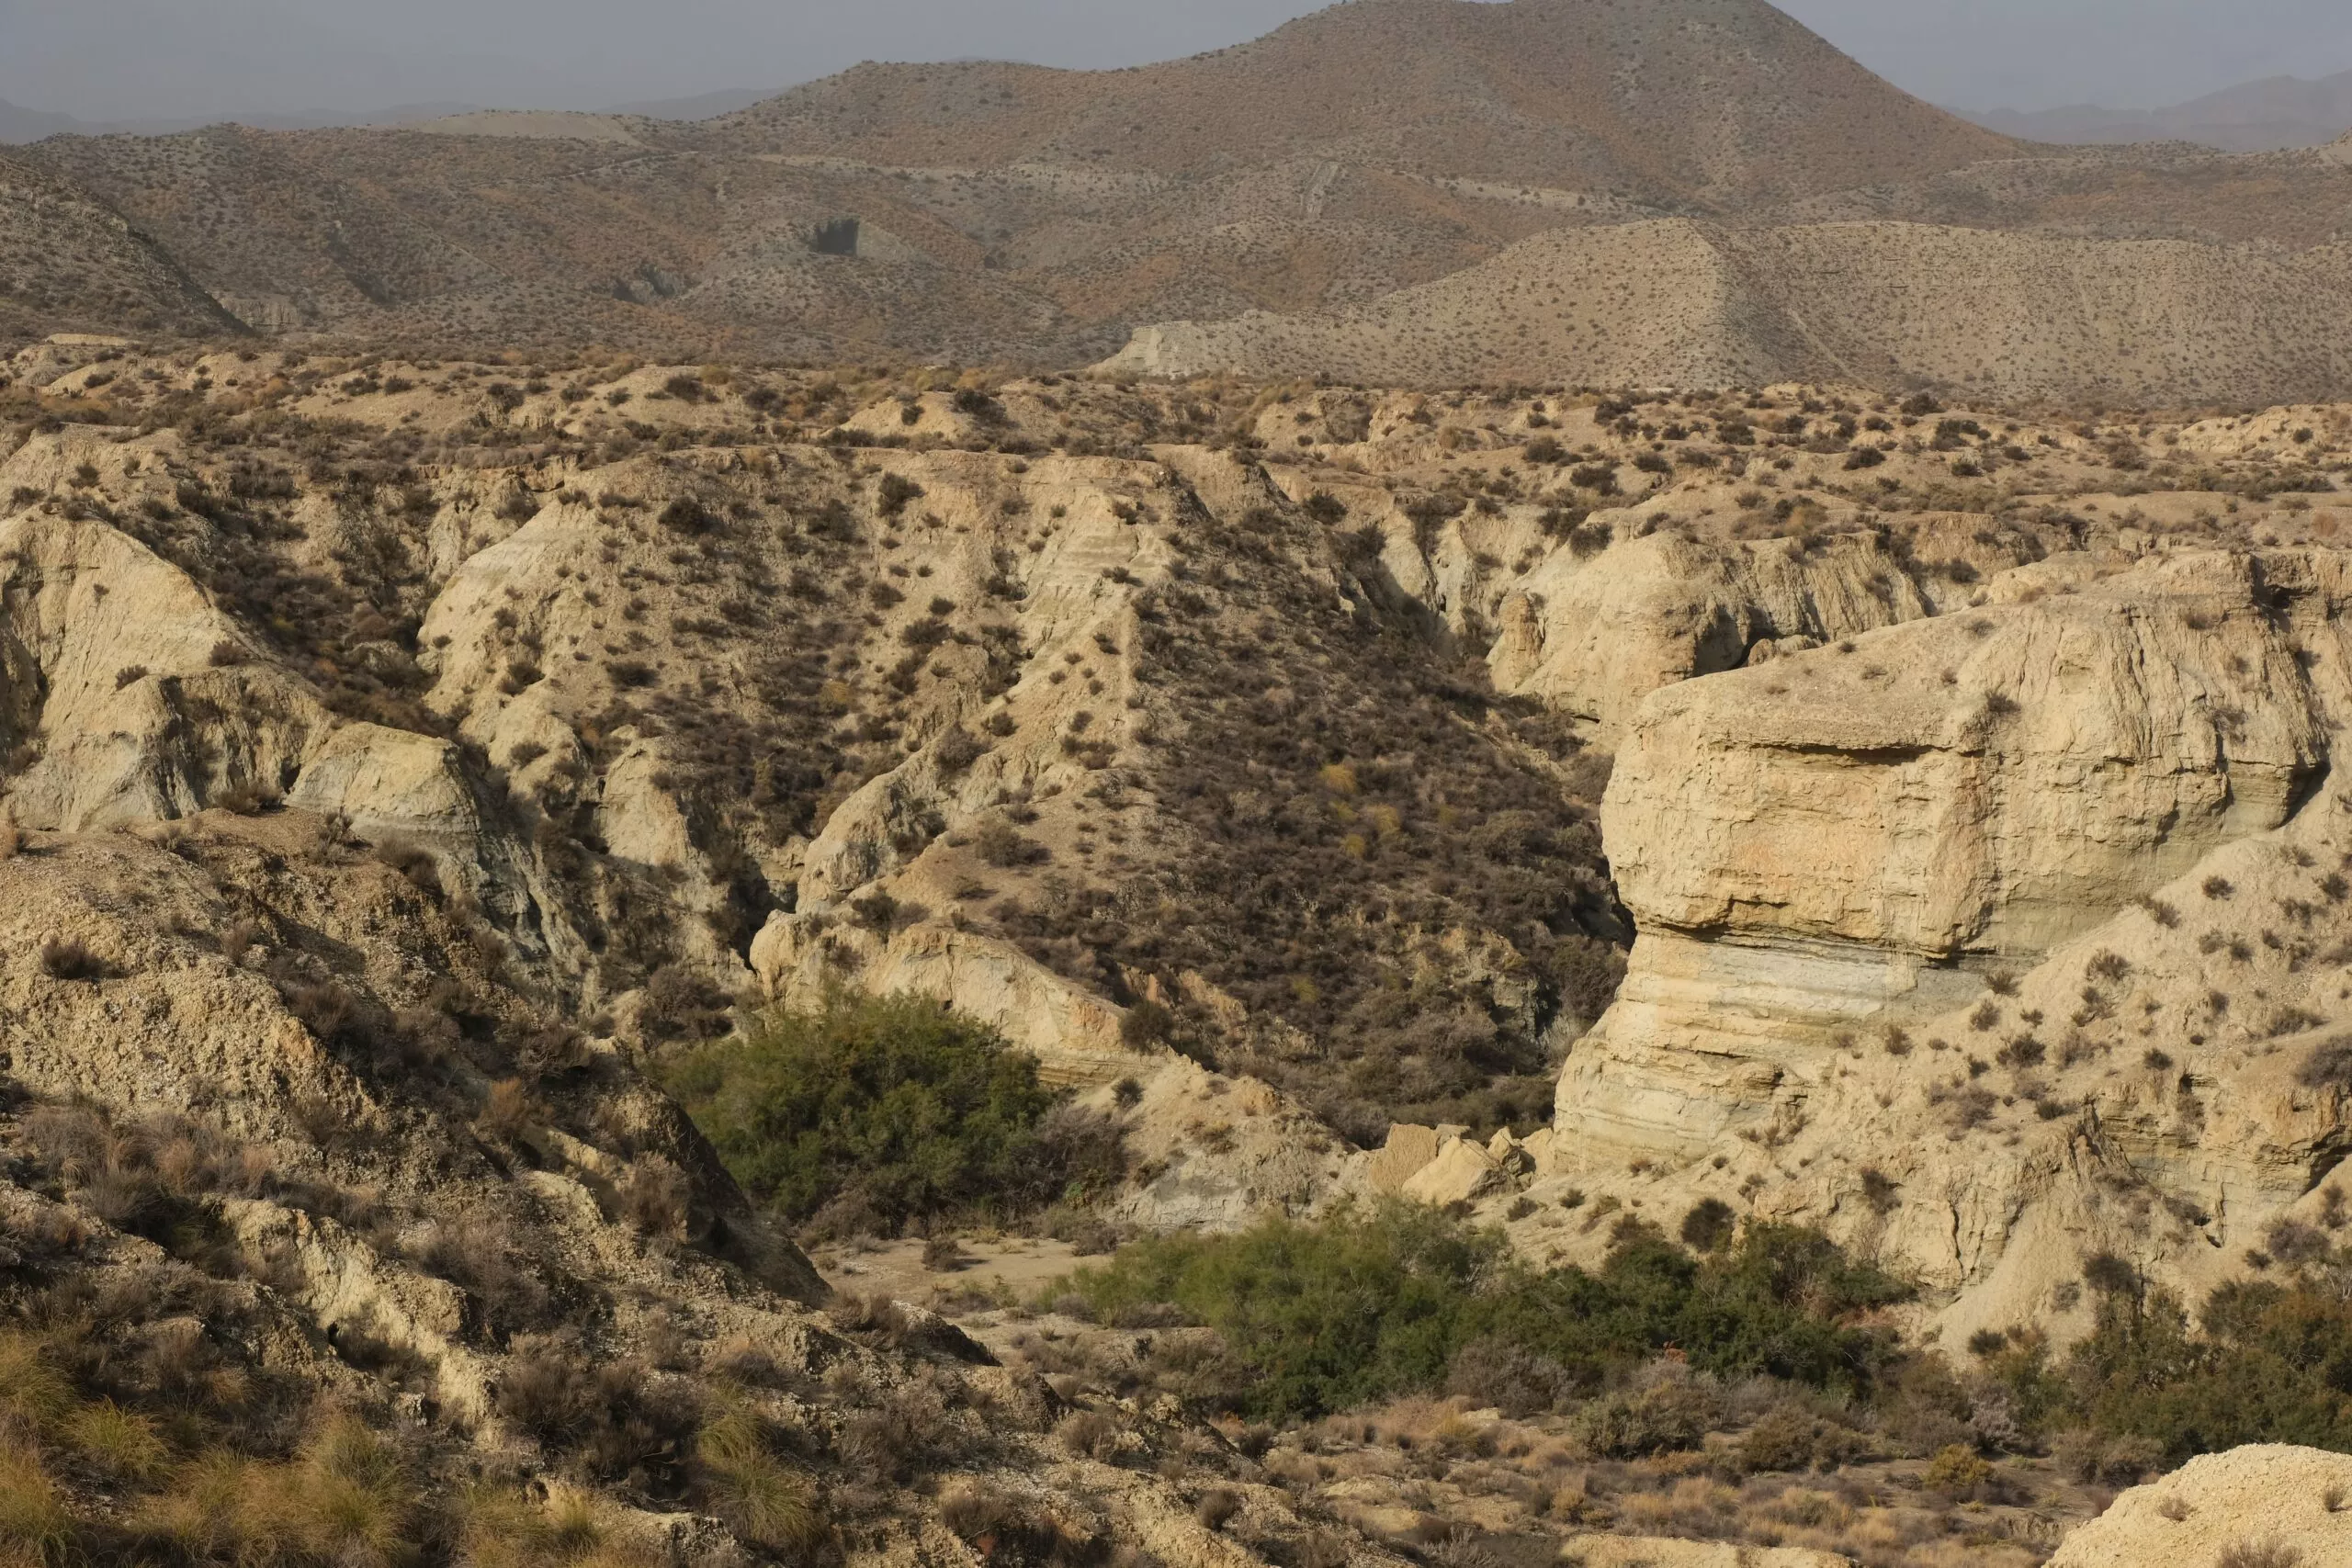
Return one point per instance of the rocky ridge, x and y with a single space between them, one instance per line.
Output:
2044 894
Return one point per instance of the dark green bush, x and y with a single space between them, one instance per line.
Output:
876 1112
2266 1362
1382 1302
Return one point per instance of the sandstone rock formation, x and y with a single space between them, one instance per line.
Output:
132 697
1845 865
1595 635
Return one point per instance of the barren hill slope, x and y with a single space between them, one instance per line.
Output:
67 262
1713 102
990 211
1675 303
984 213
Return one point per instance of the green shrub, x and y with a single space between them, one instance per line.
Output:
1670 1415
876 1113
2267 1362
1376 1302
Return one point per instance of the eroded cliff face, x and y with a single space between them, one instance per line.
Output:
366 825
123 694
1593 631
1996 938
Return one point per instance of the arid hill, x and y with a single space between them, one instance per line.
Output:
1011 214
1708 103
1002 212
67 260
990 211
2005 316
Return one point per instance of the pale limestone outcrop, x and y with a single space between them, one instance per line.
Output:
1981 786
502 600
1073 1033
344 1286
1827 857
638 818
1408 1152
2288 1499
1460 1169
1217 1153
388 783
1440 1166
166 1030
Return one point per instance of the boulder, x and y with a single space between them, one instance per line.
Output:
388 784
2296 1501
1402 1158
1460 1170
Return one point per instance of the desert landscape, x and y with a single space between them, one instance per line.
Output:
1492 785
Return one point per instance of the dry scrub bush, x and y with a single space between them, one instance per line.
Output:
69 958
1674 1412
613 1421
2259 1554
1089 1434
905 1430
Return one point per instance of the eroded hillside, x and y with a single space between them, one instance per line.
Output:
403 756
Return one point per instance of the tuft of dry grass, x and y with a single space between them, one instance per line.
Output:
766 1502
34 1526
34 1392
570 1528
2259 1554
349 1497
120 1443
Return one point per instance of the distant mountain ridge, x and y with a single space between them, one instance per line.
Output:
1705 102
2275 114
19 126
981 212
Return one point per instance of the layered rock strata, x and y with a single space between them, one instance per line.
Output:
1998 937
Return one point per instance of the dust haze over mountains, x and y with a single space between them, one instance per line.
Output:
144 60
990 212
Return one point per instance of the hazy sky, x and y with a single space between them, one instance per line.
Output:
112 59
